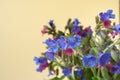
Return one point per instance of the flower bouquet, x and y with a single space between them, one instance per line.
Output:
82 53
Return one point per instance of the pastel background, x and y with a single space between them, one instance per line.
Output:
20 25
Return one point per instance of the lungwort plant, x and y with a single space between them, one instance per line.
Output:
82 53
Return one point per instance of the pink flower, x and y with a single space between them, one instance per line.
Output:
69 52
113 34
109 66
44 30
42 67
107 24
88 30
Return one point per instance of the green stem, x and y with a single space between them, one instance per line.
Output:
98 73
110 46
93 71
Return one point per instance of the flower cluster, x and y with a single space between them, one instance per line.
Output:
83 53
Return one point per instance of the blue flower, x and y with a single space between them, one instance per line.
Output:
74 41
53 45
40 61
117 28
106 15
76 21
50 56
89 60
104 58
79 72
63 43
110 14
118 65
66 71
76 28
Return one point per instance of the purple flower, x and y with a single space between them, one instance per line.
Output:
104 58
52 24
106 15
115 70
76 21
42 67
89 60
63 43
76 28
50 56
74 41
40 61
117 28
53 45
66 71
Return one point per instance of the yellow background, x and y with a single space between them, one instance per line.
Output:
20 25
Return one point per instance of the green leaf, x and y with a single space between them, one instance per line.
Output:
114 55
88 74
104 73
116 77
97 19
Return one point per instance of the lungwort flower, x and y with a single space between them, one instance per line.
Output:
117 28
53 45
105 16
104 58
89 60
66 71
50 56
63 43
40 60
74 41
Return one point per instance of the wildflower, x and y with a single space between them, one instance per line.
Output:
40 61
113 34
44 30
89 60
52 24
107 24
88 30
110 14
66 71
80 72
50 56
117 28
53 45
76 28
42 67
104 58
76 21
69 51
106 15
115 70
74 41
63 43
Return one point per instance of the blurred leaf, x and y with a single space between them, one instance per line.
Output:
116 77
104 73
114 55
97 19
88 74
92 43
